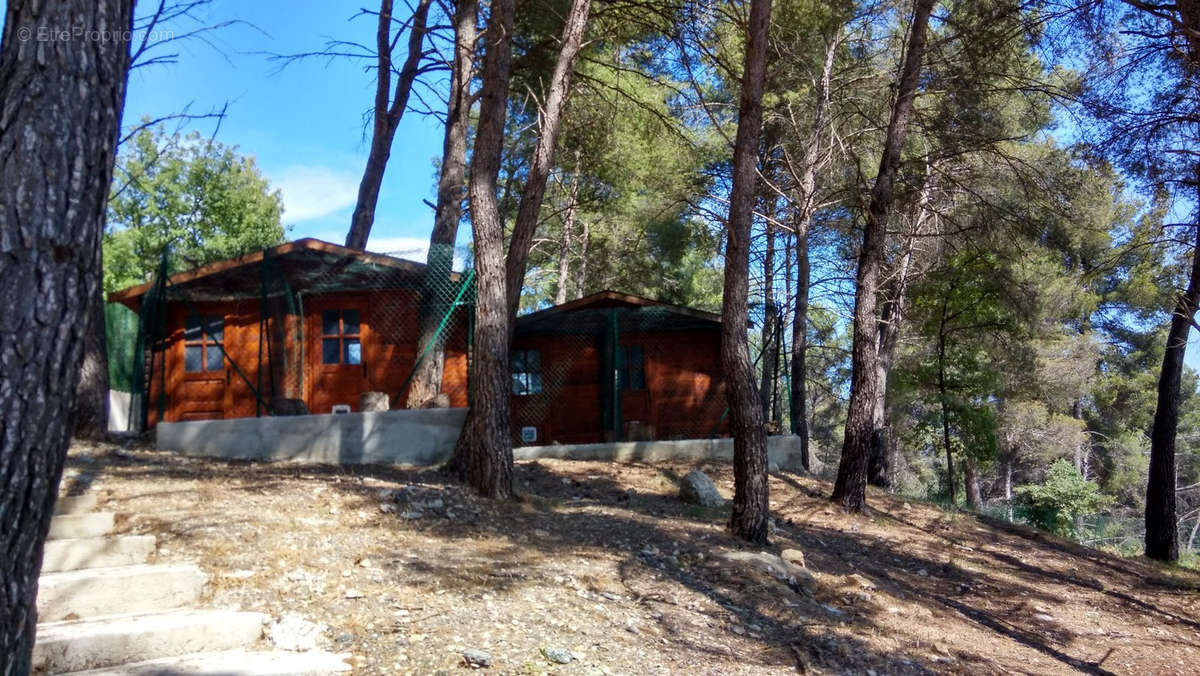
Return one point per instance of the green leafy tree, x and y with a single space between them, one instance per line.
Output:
1057 504
195 195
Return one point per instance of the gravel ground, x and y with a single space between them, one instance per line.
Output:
600 566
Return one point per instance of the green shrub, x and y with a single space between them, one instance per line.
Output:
1066 495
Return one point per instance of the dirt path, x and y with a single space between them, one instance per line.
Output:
600 560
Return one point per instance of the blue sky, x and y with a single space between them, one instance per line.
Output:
304 125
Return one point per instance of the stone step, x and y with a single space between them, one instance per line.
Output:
123 639
76 504
91 592
76 553
91 525
233 663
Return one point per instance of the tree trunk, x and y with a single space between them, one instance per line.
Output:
568 232
91 397
1162 538
62 104
770 329
944 398
438 293
751 504
851 487
386 118
891 316
971 484
549 123
585 237
802 222
484 449
1008 490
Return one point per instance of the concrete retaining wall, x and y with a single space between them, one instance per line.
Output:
416 437
782 451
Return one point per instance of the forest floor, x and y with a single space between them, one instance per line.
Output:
601 564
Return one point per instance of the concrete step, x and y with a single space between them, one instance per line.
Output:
92 525
123 639
76 504
233 663
91 592
76 553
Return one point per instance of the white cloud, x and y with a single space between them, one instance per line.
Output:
310 192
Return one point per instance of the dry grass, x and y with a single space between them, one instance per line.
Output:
602 560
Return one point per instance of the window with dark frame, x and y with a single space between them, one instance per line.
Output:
631 367
341 338
526 372
202 337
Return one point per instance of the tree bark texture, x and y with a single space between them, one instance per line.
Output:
91 398
438 292
850 490
386 118
751 505
60 112
971 484
484 449
549 122
1162 538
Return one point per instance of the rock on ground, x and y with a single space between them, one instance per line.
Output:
696 488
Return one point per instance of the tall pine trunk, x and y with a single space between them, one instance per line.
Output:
386 117
850 490
566 236
770 326
1162 538
437 293
751 503
802 223
549 122
891 316
484 449
62 106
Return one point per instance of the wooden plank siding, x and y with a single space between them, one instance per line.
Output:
684 395
388 336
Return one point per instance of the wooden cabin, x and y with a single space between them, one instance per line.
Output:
310 326
305 322
617 367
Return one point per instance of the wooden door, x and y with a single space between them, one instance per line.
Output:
339 355
636 421
204 377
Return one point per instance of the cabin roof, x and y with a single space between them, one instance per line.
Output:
308 265
592 314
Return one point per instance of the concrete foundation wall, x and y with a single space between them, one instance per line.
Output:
416 437
405 437
783 451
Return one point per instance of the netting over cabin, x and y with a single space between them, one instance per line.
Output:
312 327
304 327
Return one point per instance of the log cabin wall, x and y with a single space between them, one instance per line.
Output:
682 397
376 348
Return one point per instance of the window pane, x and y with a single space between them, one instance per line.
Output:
214 329
635 356
535 383
213 358
191 329
637 378
533 361
518 361
518 384
350 322
353 350
192 356
329 350
329 324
